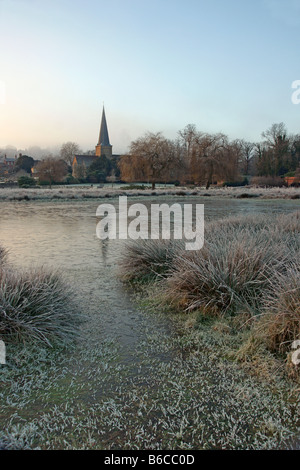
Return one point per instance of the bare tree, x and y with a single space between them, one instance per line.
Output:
277 143
186 145
51 170
233 152
151 158
68 150
294 152
275 134
247 156
208 158
187 137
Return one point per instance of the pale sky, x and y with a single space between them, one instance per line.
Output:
158 65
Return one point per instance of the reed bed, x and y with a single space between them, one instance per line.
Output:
249 266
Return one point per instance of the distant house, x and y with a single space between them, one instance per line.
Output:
103 148
7 164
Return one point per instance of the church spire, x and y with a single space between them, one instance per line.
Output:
103 147
103 135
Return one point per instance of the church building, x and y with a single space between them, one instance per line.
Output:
103 148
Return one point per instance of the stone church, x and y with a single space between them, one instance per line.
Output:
103 148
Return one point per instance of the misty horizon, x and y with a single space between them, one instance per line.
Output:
218 65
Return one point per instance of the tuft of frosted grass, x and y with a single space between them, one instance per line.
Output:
279 324
19 438
249 266
225 275
233 272
148 259
235 268
3 255
36 305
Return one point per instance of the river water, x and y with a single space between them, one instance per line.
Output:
62 234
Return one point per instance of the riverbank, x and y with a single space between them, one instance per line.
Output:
138 376
247 270
64 192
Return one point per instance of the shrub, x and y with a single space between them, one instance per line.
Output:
269 181
26 181
135 186
99 170
71 180
247 196
236 184
36 305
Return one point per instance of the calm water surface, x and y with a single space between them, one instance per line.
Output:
63 234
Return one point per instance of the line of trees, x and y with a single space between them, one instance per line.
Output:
203 158
194 157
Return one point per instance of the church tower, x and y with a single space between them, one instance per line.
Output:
103 147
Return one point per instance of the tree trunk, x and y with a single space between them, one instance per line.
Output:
210 177
153 186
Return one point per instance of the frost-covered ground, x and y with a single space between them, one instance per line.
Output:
183 390
81 192
88 398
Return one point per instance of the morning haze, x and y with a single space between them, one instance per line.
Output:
225 66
